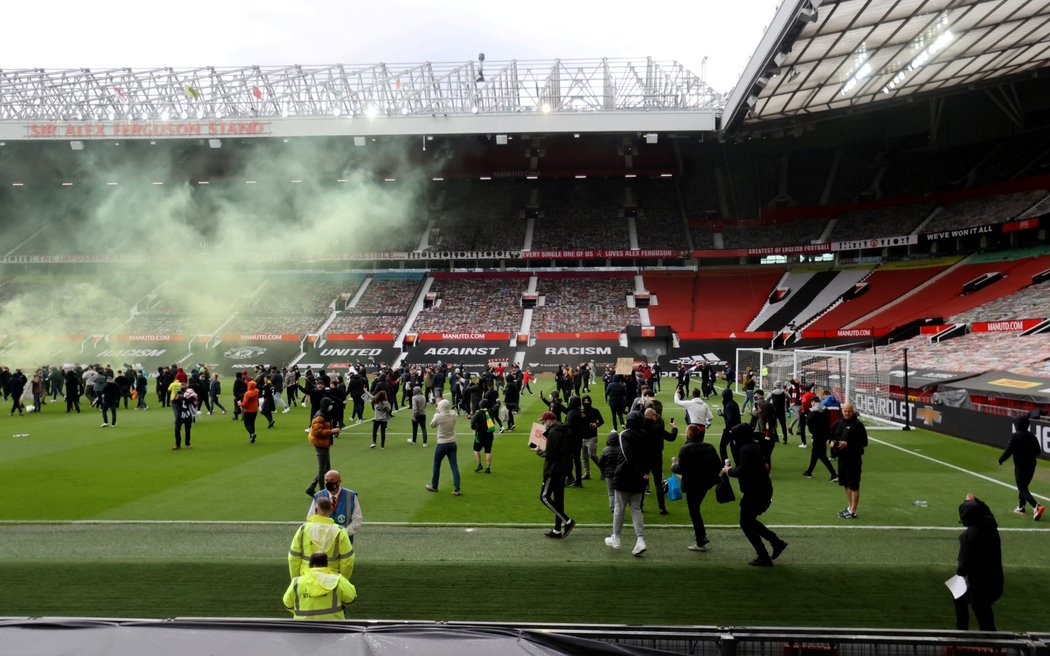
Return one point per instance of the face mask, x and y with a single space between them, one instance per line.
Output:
331 486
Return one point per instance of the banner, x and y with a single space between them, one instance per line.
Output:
981 427
343 354
359 337
1012 326
263 337
462 337
472 355
77 130
595 254
546 355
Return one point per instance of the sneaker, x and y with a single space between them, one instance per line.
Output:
285 411
373 445
175 448
1019 510
613 541
569 525
476 469
430 488
663 511
502 430
410 441
455 493
802 446
834 479
587 476
807 475
252 440
554 535
488 470
846 514
577 484
697 547
639 547
424 445
1038 512
760 562
778 549
104 426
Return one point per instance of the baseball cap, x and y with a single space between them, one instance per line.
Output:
548 416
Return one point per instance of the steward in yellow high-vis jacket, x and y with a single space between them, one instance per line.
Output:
318 594
320 533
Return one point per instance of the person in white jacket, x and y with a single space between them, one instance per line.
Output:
696 409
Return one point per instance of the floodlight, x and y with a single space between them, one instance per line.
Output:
359 142
651 138
501 140
76 145
372 111
545 108
214 143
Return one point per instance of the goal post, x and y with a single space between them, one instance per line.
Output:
850 376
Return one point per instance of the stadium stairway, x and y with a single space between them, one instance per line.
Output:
417 307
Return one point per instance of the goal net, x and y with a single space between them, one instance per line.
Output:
850 377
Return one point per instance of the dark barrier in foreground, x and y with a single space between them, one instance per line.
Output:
61 636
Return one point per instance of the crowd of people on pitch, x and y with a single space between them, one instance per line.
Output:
631 464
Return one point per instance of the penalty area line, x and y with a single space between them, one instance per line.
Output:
955 467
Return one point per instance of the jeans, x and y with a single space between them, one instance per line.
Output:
106 406
693 501
179 423
324 463
419 423
440 453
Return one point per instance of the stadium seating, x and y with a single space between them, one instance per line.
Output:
944 297
659 223
291 306
984 210
718 300
584 303
581 214
474 304
480 215
872 223
381 309
973 353
1032 302
802 231
884 285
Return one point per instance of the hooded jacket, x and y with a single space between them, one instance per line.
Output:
730 409
980 553
630 475
321 533
317 594
1023 446
250 402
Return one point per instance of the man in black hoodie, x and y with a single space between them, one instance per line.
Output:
756 495
980 563
557 463
616 397
577 425
1025 449
731 413
698 464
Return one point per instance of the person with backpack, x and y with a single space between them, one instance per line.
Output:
484 426
699 466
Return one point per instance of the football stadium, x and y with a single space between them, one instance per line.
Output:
621 282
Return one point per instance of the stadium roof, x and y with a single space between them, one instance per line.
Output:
596 95
819 56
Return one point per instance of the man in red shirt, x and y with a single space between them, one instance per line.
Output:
807 397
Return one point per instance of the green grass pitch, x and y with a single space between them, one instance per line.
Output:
110 522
